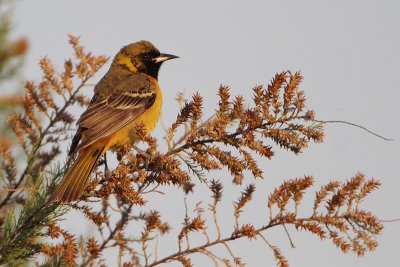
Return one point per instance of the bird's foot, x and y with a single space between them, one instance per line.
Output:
144 154
107 171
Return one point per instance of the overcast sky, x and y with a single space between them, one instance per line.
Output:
348 52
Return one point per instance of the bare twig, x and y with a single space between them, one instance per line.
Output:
355 125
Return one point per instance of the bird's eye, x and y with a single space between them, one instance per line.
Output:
146 56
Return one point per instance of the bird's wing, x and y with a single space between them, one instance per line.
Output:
106 115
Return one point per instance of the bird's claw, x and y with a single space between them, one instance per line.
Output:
145 155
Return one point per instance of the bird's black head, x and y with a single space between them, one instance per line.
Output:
144 57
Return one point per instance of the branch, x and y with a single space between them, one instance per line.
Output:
355 125
201 248
40 139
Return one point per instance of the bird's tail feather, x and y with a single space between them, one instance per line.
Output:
75 180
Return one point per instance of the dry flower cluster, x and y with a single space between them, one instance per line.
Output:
115 201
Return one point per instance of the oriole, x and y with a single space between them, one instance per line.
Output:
127 95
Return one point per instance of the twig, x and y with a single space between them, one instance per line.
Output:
288 235
229 250
30 188
389 221
355 125
214 211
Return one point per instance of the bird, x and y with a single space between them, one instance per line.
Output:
128 94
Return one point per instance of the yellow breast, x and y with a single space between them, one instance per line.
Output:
149 118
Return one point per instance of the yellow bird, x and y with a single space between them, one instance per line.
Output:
127 95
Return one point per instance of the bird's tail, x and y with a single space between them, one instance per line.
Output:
74 182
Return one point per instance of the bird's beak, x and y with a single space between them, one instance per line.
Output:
164 57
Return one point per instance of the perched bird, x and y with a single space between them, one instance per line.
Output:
127 95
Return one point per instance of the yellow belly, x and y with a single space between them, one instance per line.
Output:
149 118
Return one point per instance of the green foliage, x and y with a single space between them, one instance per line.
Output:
21 230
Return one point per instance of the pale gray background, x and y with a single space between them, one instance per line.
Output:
348 52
